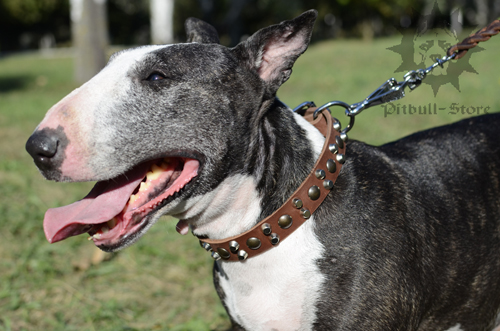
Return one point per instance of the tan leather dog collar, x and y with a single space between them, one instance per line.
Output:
298 208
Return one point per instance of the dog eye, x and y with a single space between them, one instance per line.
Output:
155 77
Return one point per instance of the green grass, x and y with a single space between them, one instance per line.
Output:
164 281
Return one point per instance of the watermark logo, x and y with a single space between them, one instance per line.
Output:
420 47
432 109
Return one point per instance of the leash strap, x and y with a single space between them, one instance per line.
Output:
299 207
470 42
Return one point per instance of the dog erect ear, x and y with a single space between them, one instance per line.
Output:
272 51
198 31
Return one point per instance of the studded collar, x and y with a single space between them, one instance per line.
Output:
300 205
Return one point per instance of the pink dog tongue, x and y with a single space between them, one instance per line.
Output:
106 200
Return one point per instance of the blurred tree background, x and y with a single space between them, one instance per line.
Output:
29 24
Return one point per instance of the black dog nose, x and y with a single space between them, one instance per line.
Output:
42 146
47 147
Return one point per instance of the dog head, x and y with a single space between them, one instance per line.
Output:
160 126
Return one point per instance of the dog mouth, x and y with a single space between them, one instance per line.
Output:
117 210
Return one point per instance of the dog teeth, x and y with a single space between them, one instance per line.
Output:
155 172
104 229
143 187
153 175
165 164
156 168
95 236
111 223
133 198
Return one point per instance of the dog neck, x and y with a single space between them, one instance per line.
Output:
291 214
242 285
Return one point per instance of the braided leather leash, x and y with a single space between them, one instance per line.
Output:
470 42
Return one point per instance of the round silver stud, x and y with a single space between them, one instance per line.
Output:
339 142
275 239
341 158
320 174
305 213
215 256
331 166
328 184
336 125
234 246
242 255
206 246
343 136
223 253
266 229
314 192
285 221
334 149
297 203
253 243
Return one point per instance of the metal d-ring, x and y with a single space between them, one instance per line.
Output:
341 104
350 125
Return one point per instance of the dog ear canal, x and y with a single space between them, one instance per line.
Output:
198 31
272 51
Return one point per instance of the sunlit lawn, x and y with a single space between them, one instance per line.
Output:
164 281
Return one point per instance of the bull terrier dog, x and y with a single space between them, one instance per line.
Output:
404 236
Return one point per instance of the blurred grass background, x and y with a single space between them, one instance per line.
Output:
164 281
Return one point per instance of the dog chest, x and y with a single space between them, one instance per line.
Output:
277 290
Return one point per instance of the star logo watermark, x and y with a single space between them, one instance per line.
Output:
420 47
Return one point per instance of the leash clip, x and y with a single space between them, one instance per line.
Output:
393 90
390 91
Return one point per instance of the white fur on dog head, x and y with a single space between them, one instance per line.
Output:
86 111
